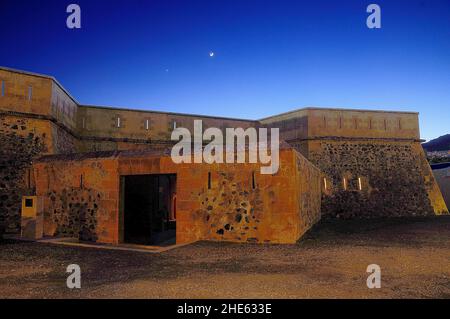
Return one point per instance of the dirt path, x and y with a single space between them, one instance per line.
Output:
330 262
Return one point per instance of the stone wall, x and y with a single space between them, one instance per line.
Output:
74 212
308 183
442 177
375 179
231 202
22 140
63 141
80 197
232 209
20 143
139 126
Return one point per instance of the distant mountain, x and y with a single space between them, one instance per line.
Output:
442 143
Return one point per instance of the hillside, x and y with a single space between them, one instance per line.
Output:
442 143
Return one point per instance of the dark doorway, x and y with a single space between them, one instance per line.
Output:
149 209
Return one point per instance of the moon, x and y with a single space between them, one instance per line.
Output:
211 54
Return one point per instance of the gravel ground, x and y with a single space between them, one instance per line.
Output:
329 262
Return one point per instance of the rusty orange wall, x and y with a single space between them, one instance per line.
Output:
309 189
310 123
359 123
65 198
16 93
232 210
101 122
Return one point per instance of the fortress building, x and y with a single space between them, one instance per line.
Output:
105 174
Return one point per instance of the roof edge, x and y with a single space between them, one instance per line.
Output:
168 113
4 68
335 109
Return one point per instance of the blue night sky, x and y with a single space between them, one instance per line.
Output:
270 56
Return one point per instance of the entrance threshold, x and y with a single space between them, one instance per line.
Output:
123 246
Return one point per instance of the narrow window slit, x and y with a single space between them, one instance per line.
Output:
209 180
253 180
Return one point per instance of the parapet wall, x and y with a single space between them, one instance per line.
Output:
315 123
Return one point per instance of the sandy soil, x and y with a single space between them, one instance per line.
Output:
329 262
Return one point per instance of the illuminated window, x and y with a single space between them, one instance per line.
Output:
345 183
118 121
147 124
359 183
325 183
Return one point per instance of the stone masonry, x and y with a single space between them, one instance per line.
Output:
335 163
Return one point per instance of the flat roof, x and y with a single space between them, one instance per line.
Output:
335 109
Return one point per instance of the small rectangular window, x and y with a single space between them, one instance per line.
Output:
174 125
147 124
28 202
118 121
3 88
83 123
359 183
30 92
345 183
325 183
